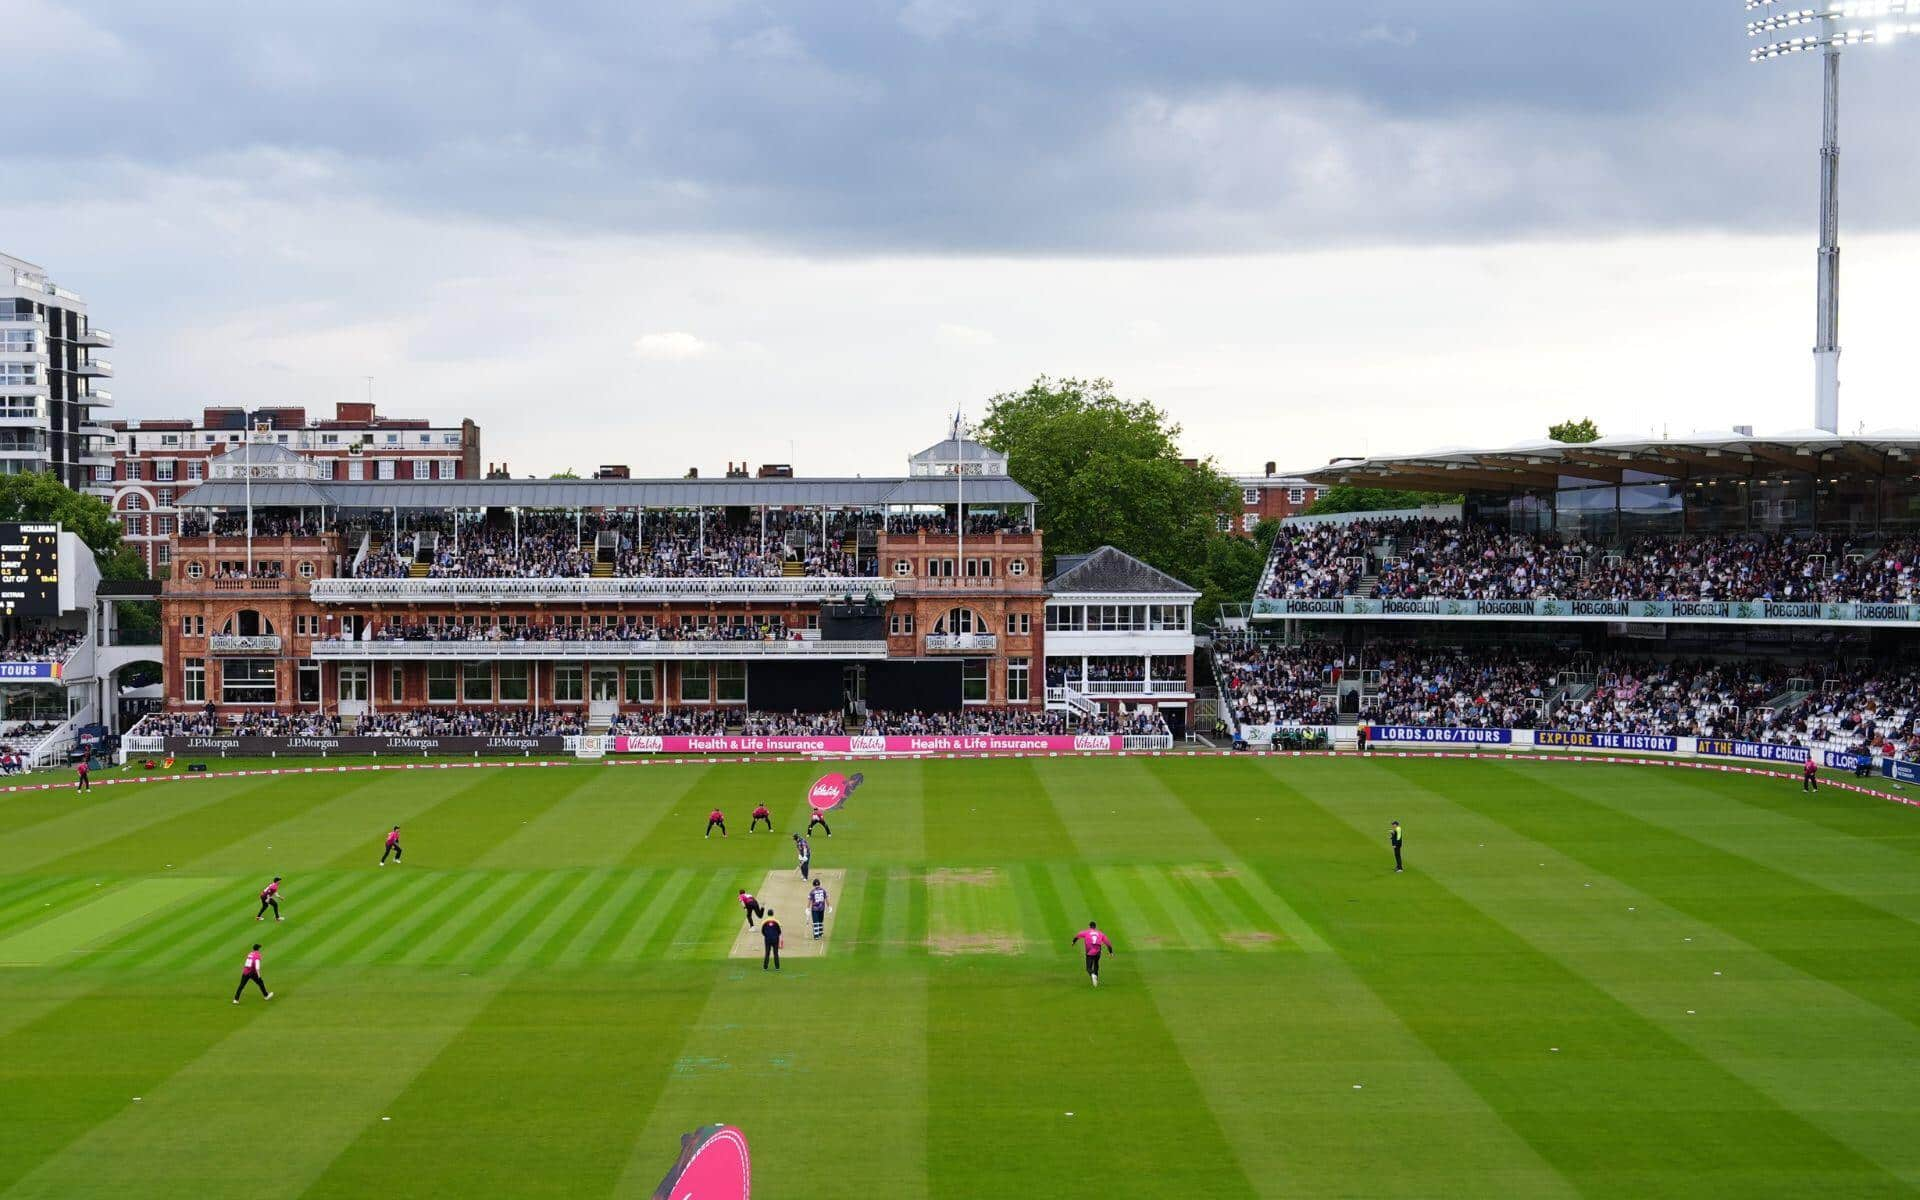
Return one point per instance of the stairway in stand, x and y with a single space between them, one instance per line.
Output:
793 568
603 570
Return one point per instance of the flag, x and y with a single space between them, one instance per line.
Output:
713 1165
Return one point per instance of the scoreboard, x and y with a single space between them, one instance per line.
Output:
29 570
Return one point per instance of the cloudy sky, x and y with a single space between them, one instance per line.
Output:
674 234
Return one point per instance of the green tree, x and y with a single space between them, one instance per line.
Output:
1573 432
40 497
569 473
1108 471
1345 498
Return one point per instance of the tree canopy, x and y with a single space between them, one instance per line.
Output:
1345 498
40 497
1108 471
1575 432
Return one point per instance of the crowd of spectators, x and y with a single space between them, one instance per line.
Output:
792 724
1460 689
1817 705
1021 721
1267 683
1125 668
234 524
1414 559
765 628
279 724
197 724
472 722
978 524
1319 562
40 644
671 722
665 545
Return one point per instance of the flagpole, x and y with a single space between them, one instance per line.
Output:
247 471
960 501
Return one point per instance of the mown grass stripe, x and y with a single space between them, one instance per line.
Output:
1079 907
1034 928
1135 916
598 937
1199 893
229 922
458 891
444 943
312 913
124 950
707 930
665 926
1233 890
646 924
473 945
518 922
21 890
576 884
347 932
869 896
1200 927
917 907
1055 927
605 882
41 903
893 918
74 927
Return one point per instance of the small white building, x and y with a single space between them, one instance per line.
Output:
1119 632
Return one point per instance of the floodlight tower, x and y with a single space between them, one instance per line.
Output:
1841 23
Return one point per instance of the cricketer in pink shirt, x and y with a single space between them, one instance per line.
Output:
1096 944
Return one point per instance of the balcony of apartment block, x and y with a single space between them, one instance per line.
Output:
99 339
98 368
806 648
98 398
754 588
15 319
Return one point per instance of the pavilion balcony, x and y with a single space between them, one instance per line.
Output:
590 590
603 650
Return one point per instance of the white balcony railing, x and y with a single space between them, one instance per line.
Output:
98 367
1132 687
597 651
957 643
810 587
233 643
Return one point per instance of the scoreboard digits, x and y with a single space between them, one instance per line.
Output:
29 570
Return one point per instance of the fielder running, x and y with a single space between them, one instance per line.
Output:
1097 942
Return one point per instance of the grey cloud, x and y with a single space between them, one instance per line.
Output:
1016 126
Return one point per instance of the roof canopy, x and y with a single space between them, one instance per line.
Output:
1714 454
605 493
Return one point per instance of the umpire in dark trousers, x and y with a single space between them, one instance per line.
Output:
770 935
1394 834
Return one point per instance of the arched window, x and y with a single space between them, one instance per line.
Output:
960 620
247 623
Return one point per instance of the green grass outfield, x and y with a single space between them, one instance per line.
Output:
1592 980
